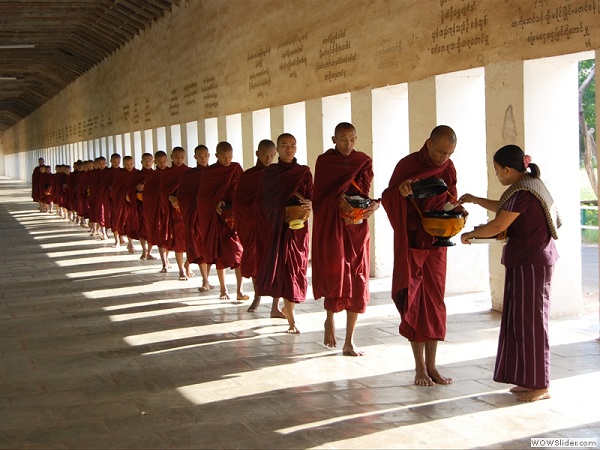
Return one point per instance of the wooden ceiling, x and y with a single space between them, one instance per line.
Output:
69 37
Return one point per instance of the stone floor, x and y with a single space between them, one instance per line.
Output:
99 350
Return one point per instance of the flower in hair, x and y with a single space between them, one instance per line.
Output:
526 161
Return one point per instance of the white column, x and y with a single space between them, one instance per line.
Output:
422 115
294 122
313 110
248 147
234 136
552 140
453 92
277 123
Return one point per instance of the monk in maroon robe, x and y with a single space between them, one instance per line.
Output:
45 189
245 214
173 238
282 252
340 250
186 198
57 188
35 182
220 243
72 186
98 195
107 181
135 225
154 205
118 202
419 277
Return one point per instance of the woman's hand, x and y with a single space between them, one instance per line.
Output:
464 238
467 198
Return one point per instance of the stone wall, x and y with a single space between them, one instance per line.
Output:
213 58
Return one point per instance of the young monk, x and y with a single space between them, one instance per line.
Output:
187 194
72 189
245 214
282 253
221 244
118 190
107 181
135 226
153 206
340 250
35 182
98 190
173 232
45 189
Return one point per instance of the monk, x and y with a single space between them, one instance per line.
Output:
35 182
154 204
245 215
173 232
107 181
98 195
118 189
340 249
220 242
186 198
419 276
282 252
135 226
45 189
72 189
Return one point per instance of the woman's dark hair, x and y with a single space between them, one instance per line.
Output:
512 156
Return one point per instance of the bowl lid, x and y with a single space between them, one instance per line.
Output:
428 187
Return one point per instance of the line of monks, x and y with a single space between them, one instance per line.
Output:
252 221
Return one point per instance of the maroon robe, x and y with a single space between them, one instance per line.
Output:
72 189
153 206
220 243
45 187
64 190
187 194
135 225
83 194
419 276
245 217
340 251
97 202
118 189
173 233
282 253
56 189
35 184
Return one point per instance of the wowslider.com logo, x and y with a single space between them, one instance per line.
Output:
563 442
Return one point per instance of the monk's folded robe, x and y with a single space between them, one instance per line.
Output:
340 251
245 217
187 194
419 275
282 253
220 244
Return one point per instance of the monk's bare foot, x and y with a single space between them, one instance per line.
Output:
437 377
422 379
534 395
116 245
190 274
205 288
293 330
242 297
130 249
224 296
144 257
518 389
352 351
329 340
163 270
182 277
254 306
151 258
277 315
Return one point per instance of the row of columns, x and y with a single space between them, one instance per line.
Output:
532 104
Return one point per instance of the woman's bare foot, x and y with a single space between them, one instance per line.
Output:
329 339
437 377
518 389
422 379
534 395
254 306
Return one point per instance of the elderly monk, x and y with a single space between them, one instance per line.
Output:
419 276
220 242
135 226
282 252
245 216
173 233
35 182
118 191
187 194
340 250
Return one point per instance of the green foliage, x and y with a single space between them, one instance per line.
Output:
589 236
588 99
